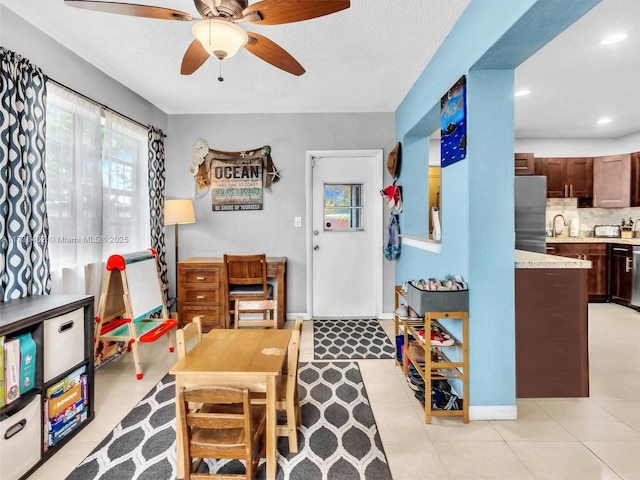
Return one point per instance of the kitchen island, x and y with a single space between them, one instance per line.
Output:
551 309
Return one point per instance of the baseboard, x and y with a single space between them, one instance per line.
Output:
295 316
306 316
493 412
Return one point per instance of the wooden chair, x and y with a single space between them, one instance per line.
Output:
187 333
230 428
190 333
268 309
287 398
246 280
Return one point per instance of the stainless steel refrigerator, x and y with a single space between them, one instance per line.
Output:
530 202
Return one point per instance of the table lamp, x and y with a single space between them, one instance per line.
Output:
176 212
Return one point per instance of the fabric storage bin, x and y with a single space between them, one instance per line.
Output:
20 440
63 343
423 301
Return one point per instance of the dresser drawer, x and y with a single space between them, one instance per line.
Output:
210 316
201 295
202 275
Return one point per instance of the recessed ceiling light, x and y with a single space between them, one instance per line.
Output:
604 120
618 37
522 93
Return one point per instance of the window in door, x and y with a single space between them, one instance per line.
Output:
343 207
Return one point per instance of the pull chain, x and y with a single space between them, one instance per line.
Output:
220 79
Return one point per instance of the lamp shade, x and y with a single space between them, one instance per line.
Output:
178 212
220 38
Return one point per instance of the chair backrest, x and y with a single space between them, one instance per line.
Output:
185 334
268 309
222 417
243 270
293 357
224 429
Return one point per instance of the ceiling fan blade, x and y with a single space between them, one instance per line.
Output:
273 53
130 9
276 12
193 58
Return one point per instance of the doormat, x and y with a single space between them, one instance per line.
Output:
338 437
350 339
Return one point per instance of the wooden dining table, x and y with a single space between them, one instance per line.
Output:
240 358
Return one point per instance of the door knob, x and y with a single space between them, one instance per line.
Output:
316 247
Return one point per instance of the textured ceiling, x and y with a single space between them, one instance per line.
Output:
363 59
356 60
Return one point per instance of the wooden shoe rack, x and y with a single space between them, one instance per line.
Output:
449 363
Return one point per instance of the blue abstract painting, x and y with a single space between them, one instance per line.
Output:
453 124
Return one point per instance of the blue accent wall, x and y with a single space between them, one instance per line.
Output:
491 38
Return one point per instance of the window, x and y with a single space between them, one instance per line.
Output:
343 207
97 193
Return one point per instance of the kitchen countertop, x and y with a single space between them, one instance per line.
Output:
566 239
524 259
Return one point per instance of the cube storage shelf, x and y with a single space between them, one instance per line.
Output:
43 419
438 362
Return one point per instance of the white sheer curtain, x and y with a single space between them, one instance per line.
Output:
74 189
125 186
97 190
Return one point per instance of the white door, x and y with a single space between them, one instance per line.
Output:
345 242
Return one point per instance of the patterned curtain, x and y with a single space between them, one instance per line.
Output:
24 226
156 202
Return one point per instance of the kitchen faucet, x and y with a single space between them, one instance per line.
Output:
553 225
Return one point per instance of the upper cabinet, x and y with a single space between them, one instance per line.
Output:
635 179
612 181
567 177
524 164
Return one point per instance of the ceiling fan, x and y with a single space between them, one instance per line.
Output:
217 33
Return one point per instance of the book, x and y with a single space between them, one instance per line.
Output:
11 369
27 362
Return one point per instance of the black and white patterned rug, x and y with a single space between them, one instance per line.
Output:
350 339
338 438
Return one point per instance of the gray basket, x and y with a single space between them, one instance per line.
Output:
423 301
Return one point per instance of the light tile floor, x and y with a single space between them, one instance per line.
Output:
553 439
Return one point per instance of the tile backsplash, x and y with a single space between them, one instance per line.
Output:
587 217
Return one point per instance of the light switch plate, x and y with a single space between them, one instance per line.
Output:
297 222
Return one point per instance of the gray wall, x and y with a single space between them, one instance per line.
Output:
270 230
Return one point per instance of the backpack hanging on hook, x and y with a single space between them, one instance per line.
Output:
392 238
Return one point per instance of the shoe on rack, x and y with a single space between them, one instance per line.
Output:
413 315
440 339
402 312
416 352
415 385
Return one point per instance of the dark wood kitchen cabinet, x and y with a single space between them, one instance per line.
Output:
567 177
597 275
612 181
621 273
635 179
551 331
524 164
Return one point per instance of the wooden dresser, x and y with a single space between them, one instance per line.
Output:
202 290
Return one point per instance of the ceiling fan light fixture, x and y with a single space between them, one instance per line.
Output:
220 38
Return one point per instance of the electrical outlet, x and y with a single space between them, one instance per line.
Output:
297 222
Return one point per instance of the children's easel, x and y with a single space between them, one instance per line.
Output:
131 293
